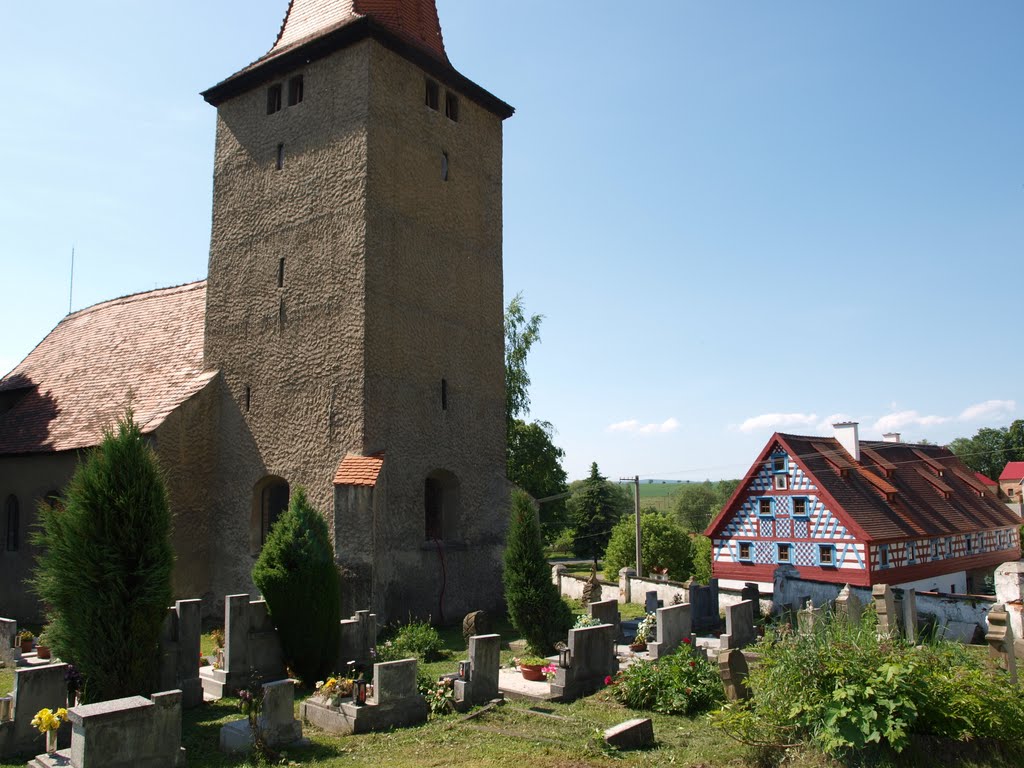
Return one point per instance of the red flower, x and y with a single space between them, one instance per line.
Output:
686 640
693 663
608 680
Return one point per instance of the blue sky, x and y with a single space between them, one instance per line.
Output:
735 216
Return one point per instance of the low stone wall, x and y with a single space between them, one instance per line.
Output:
570 585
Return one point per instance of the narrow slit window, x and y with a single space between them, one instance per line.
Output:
274 99
444 166
248 397
433 94
444 394
280 157
451 107
295 88
280 273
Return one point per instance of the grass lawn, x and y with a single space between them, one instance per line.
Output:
6 681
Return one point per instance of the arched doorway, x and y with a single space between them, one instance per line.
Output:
269 499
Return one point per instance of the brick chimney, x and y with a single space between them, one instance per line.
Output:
847 435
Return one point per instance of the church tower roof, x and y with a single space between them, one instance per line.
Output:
415 21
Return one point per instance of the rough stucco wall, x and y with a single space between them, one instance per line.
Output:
29 478
434 310
298 347
187 451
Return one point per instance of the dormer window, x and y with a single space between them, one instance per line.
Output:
779 463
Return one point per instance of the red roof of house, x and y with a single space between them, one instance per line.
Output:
415 21
1014 470
144 351
985 479
924 504
359 470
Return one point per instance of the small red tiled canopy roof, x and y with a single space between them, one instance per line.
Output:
1014 470
143 351
359 470
415 21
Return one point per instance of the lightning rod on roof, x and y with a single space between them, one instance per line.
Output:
71 285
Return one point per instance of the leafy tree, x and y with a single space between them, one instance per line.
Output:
534 464
104 568
663 544
521 333
698 503
594 508
701 559
297 576
534 606
990 449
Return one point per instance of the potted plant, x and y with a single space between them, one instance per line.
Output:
532 668
334 689
43 649
25 638
645 631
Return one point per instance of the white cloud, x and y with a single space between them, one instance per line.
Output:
776 420
632 425
988 409
894 421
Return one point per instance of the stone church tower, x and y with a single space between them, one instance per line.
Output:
354 306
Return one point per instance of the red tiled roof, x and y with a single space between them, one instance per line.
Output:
143 351
1014 470
415 21
359 470
985 479
922 505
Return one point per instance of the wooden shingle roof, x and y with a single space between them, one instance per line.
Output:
143 351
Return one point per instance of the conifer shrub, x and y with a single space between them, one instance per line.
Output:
535 608
297 576
104 566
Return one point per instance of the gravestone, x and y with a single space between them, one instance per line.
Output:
251 648
704 607
810 618
632 734
276 721
1001 646
395 702
179 649
35 687
849 606
484 662
475 623
651 601
356 639
739 625
592 659
885 608
606 612
908 615
752 593
123 733
673 630
733 669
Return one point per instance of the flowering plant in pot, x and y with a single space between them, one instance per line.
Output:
43 648
25 639
645 632
334 689
531 667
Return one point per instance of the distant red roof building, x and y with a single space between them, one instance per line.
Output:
897 513
986 480
1014 470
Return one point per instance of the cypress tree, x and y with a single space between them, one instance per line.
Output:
104 568
534 606
299 580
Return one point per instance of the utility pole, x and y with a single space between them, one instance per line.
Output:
636 508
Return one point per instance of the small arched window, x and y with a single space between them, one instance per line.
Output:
13 522
269 500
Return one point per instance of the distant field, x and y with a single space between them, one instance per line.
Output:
657 494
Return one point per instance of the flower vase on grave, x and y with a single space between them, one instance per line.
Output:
51 741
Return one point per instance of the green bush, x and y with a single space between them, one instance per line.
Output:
298 579
843 688
104 568
417 638
534 606
664 544
701 559
681 683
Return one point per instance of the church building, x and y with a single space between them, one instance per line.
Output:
348 338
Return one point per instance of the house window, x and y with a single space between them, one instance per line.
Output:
433 96
13 522
274 99
781 482
799 507
883 556
1009 491
779 462
911 552
295 91
826 555
764 507
451 107
967 543
935 549
745 550
785 553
